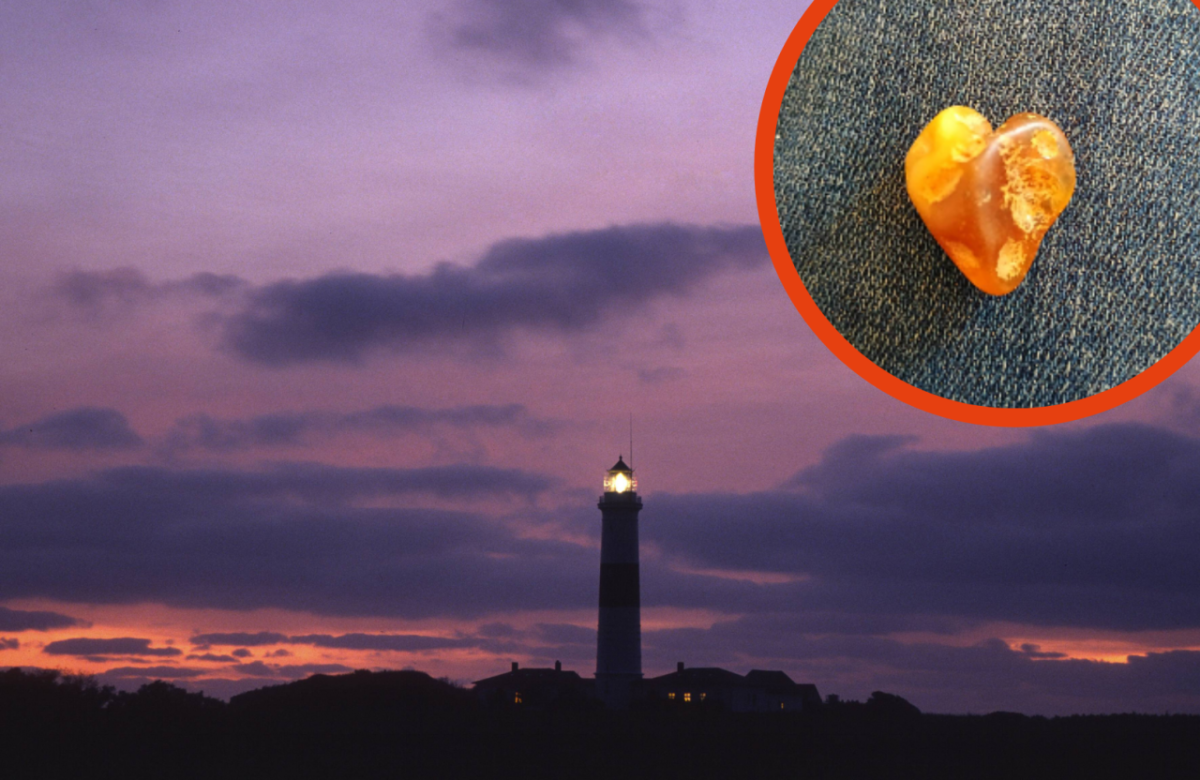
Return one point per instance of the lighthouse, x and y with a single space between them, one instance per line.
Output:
619 635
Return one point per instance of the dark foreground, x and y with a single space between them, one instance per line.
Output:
405 724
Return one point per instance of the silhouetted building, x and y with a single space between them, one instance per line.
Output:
619 681
775 690
534 687
619 634
758 691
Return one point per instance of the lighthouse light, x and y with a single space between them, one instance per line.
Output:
619 480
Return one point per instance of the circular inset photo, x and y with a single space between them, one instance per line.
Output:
990 210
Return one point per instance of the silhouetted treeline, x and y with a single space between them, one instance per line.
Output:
407 724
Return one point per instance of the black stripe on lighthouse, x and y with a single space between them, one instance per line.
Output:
619 585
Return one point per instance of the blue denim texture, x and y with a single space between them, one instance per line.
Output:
1116 283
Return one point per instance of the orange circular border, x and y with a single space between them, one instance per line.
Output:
768 215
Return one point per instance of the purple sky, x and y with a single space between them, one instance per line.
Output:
318 330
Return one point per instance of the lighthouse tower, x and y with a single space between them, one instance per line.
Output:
619 638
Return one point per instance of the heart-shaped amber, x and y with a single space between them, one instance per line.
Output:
989 197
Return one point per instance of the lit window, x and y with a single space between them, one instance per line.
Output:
671 695
516 698
687 697
702 696
780 705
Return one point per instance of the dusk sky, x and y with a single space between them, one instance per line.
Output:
320 324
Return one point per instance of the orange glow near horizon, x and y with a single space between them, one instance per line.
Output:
171 627
1075 644
174 627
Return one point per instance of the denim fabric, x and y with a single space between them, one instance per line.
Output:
1116 283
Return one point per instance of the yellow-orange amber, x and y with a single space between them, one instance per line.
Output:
989 197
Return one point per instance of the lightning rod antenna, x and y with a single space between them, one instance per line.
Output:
631 441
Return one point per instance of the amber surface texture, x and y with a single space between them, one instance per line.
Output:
989 197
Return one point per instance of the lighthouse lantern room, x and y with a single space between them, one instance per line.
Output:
619 479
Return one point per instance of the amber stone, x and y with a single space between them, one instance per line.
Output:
989 197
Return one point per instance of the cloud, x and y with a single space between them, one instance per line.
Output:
534 35
21 620
214 658
415 418
494 637
7 643
1035 651
290 428
87 647
1183 407
85 428
398 642
1092 528
308 482
268 430
91 428
1088 528
299 536
653 376
291 672
94 293
239 639
562 284
566 634
152 672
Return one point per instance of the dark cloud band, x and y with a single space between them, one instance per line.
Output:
564 283
561 283
1092 529
97 292
87 647
396 642
22 620
298 536
533 35
85 428
290 428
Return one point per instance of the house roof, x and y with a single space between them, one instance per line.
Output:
808 691
771 682
700 675
775 682
530 676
